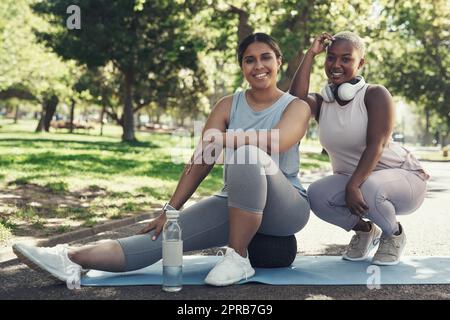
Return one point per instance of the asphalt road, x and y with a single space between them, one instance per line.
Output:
427 230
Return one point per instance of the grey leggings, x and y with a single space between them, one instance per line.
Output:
205 224
388 193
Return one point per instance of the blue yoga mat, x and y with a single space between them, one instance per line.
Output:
306 270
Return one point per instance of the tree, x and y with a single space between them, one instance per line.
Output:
294 23
139 38
418 69
29 71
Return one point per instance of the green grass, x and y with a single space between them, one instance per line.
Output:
62 228
432 156
80 177
5 233
311 161
57 187
26 213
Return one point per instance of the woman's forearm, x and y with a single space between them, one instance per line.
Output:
192 176
367 163
263 139
206 154
300 83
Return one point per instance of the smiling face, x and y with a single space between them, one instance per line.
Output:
260 65
342 62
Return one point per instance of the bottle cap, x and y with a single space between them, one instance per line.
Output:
172 214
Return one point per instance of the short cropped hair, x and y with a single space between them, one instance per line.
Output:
353 38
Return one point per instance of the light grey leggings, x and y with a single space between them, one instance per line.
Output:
205 224
388 193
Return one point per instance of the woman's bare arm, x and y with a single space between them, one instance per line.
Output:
194 173
380 109
289 130
300 83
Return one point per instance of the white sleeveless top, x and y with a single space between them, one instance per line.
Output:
343 131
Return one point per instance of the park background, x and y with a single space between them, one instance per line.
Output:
89 116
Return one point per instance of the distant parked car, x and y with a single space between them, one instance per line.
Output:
398 137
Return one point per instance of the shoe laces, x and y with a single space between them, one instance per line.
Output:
354 242
376 241
241 262
220 254
387 244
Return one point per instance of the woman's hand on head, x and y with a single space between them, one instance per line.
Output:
157 224
355 201
320 43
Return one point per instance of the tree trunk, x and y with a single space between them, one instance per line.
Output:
446 137
102 115
299 24
16 114
128 119
138 120
50 110
244 28
40 125
72 109
293 64
427 137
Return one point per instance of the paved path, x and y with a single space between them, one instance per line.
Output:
427 230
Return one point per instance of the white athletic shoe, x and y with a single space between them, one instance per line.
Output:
231 269
53 261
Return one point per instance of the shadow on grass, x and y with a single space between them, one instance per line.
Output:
37 211
76 163
164 170
123 147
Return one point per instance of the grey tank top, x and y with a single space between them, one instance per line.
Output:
244 118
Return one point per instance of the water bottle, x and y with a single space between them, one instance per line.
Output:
172 252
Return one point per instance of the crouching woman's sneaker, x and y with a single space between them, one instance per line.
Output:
390 249
362 244
53 261
231 269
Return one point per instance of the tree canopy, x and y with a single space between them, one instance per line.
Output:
179 57
147 41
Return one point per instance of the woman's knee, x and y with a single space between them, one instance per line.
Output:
303 218
324 198
250 154
250 160
246 166
315 194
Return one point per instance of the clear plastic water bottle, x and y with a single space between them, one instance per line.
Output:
172 252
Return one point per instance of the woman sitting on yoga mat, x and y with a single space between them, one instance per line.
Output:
259 195
374 179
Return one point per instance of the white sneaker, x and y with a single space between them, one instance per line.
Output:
390 249
231 269
362 244
53 261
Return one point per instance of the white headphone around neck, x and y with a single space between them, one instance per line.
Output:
345 91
